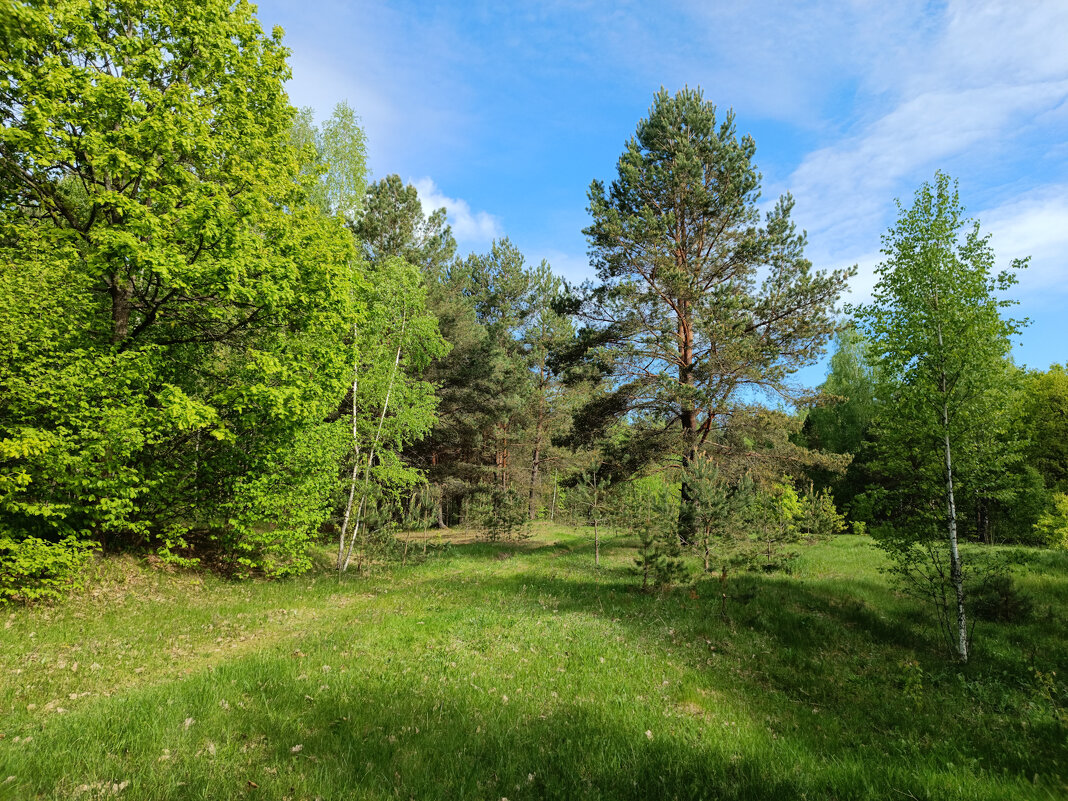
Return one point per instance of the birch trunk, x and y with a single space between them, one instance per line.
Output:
374 445
955 571
356 447
956 574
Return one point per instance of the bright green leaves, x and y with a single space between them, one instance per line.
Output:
941 347
944 440
175 300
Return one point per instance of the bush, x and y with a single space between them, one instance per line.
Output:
998 598
502 515
818 516
33 569
1052 526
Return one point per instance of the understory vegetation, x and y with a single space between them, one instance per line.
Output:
524 670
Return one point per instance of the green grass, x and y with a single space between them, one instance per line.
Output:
519 671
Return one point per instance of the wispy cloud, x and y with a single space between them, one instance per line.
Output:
980 89
846 188
469 227
1035 225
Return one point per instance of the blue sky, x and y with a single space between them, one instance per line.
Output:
505 112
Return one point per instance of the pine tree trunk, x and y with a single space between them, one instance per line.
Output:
535 466
687 514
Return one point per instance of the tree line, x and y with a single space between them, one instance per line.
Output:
221 344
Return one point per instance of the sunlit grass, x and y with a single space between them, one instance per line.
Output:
520 671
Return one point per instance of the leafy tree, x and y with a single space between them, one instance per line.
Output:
390 405
393 405
1052 525
841 422
1046 419
335 159
188 294
774 516
682 322
482 305
938 337
839 426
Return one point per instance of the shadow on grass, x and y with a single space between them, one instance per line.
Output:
254 731
845 662
803 691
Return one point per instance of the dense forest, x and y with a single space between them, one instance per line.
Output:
221 344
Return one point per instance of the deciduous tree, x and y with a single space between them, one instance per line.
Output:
180 377
940 340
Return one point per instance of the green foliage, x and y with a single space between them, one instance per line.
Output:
817 515
32 569
484 385
392 223
841 422
501 514
719 517
1046 420
276 514
176 282
658 564
999 598
773 515
944 432
1052 526
334 158
681 323
851 388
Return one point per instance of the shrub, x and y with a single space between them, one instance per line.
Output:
1052 525
502 515
33 569
997 598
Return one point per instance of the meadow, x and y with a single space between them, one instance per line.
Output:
521 671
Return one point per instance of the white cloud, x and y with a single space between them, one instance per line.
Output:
968 91
845 189
1034 225
469 227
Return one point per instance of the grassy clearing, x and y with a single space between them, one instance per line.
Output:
519 671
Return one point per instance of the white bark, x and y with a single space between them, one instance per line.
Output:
374 446
955 571
356 446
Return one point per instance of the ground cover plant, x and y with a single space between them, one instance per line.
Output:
522 670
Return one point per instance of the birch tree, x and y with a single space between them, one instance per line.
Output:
938 336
